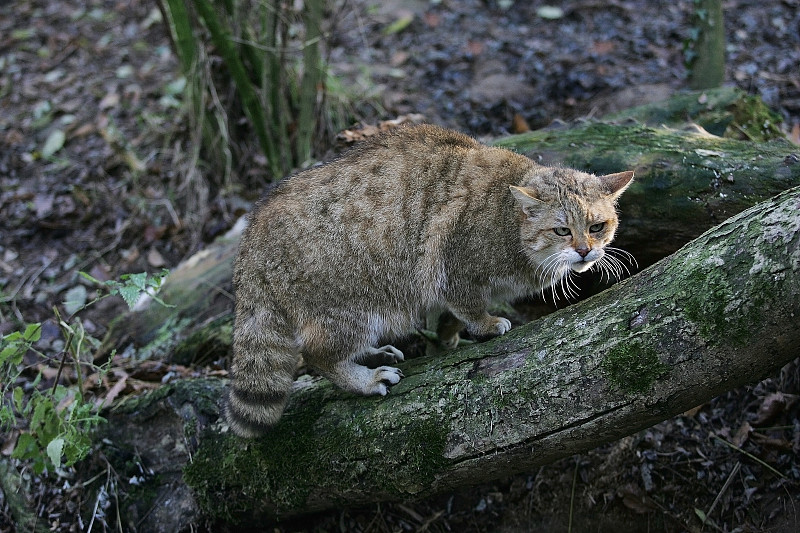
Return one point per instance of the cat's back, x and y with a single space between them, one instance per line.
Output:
401 156
389 194
395 173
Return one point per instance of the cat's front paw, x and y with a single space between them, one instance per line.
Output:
384 377
385 355
503 325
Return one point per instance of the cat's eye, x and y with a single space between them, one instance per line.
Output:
563 232
594 228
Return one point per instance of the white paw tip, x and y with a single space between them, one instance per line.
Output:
503 325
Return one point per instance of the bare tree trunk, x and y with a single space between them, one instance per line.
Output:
706 53
722 311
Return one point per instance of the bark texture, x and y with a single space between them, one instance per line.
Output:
721 312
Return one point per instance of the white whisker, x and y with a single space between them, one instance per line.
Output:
623 254
612 266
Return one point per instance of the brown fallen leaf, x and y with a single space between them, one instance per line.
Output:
399 58
114 391
432 20
84 130
9 442
603 47
634 499
111 99
519 124
741 435
771 406
694 410
770 442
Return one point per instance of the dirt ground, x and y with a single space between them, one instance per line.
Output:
93 140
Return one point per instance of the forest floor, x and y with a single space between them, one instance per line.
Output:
93 143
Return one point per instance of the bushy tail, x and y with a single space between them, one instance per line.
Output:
264 363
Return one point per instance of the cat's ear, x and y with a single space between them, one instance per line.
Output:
616 184
524 196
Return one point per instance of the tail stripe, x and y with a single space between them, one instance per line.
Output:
257 398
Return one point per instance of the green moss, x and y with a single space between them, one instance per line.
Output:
258 470
753 120
162 339
423 451
309 448
205 345
707 307
633 367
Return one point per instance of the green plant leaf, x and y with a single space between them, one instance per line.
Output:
221 36
398 25
17 395
130 294
7 352
25 447
700 514
138 280
33 332
89 277
550 12
55 448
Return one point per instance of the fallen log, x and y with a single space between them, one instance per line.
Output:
721 312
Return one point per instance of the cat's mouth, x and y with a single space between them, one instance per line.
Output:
581 266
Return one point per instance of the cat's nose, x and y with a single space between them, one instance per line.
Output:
583 251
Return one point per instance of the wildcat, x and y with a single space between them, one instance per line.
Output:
417 220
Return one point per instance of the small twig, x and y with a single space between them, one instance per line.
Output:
750 455
26 281
60 369
724 487
572 494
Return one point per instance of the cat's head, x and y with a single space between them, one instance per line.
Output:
568 218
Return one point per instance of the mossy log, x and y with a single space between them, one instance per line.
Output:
721 312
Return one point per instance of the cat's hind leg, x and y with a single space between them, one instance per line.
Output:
448 329
340 356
